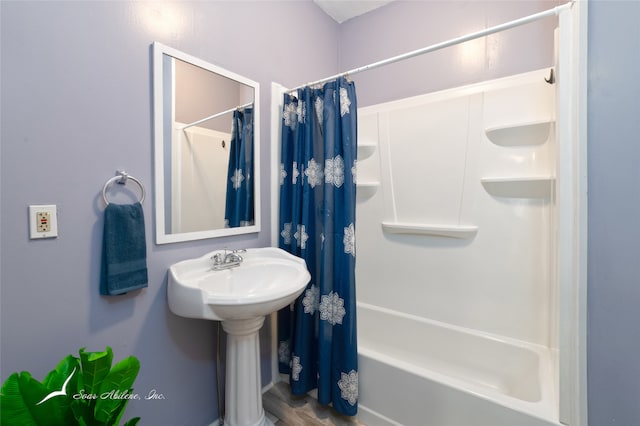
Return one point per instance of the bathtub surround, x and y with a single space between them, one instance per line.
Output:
483 158
449 145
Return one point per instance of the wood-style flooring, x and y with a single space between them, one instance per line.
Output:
285 409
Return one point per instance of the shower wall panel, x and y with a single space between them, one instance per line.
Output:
479 158
428 157
200 156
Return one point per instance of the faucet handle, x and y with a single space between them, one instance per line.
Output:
225 256
222 252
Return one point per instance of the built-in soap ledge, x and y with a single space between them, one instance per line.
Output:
532 133
447 231
519 186
366 189
366 149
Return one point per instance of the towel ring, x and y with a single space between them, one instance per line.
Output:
121 178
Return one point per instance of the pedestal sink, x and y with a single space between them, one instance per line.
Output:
267 280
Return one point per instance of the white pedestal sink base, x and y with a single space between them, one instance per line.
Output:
267 280
243 394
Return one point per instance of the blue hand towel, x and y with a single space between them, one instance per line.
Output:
124 250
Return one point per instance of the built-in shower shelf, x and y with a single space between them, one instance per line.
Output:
519 187
533 133
366 149
366 189
448 231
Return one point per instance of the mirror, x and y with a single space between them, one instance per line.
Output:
207 151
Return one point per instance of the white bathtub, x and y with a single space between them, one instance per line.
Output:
449 376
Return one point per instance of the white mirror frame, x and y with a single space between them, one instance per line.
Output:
158 100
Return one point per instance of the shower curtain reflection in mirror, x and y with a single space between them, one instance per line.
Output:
239 200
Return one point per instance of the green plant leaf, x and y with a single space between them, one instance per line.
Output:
115 389
19 400
82 412
24 401
132 422
66 376
95 367
117 407
56 378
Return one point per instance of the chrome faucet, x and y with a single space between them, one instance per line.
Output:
227 259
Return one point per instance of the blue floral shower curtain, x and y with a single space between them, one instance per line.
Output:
239 203
317 335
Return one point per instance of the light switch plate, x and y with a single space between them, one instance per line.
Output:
43 221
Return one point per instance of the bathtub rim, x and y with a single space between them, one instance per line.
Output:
546 408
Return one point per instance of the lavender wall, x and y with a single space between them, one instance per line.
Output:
614 208
404 26
76 105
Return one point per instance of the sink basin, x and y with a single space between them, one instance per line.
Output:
267 280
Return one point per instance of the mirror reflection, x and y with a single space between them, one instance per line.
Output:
205 149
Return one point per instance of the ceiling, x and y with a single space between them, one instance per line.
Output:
343 10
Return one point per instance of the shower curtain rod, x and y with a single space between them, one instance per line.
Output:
211 117
515 23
